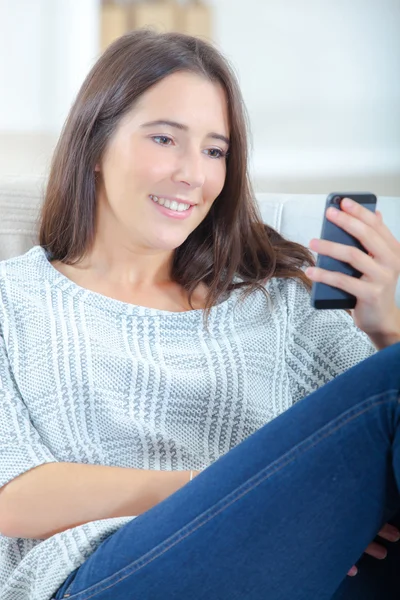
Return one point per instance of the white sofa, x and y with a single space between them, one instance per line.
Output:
297 216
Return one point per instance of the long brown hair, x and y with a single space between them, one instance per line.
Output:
232 247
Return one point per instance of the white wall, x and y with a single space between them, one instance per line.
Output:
321 82
320 79
46 49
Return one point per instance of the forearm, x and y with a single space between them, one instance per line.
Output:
383 339
58 496
380 342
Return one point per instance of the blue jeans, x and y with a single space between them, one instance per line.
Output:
282 516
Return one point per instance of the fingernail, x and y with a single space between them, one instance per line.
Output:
333 212
353 571
347 203
392 532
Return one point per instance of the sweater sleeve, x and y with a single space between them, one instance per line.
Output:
321 344
21 447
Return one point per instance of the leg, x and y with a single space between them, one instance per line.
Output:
376 579
282 515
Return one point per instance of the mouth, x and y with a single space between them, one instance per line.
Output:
172 207
174 203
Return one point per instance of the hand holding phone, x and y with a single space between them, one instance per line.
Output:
324 296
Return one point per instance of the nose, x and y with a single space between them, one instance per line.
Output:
191 168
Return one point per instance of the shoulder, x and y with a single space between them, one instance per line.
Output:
273 300
20 273
289 294
290 289
21 262
296 296
319 328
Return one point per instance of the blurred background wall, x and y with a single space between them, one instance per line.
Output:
320 80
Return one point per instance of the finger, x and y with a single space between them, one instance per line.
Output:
367 234
374 220
362 290
394 242
348 254
376 550
353 571
390 533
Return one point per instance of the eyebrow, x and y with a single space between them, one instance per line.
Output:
216 136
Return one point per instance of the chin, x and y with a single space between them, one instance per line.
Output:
167 246
170 243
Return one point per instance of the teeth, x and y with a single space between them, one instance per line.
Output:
171 205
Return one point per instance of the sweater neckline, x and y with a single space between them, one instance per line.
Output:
107 304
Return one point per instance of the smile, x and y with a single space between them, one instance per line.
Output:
172 209
172 205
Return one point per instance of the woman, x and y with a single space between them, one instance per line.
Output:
131 361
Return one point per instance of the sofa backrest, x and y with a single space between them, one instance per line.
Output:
297 216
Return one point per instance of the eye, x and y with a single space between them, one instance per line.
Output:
219 153
164 139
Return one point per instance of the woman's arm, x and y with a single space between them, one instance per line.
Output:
58 496
383 340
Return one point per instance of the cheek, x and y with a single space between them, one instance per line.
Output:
215 181
148 168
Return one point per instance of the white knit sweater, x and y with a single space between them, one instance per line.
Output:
88 379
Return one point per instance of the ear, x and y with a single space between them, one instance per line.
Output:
97 168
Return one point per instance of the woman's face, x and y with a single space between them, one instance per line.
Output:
170 146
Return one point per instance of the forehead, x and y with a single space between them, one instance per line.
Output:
186 98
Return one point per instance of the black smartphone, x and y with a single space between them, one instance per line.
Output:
325 296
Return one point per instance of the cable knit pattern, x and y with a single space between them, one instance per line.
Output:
88 379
